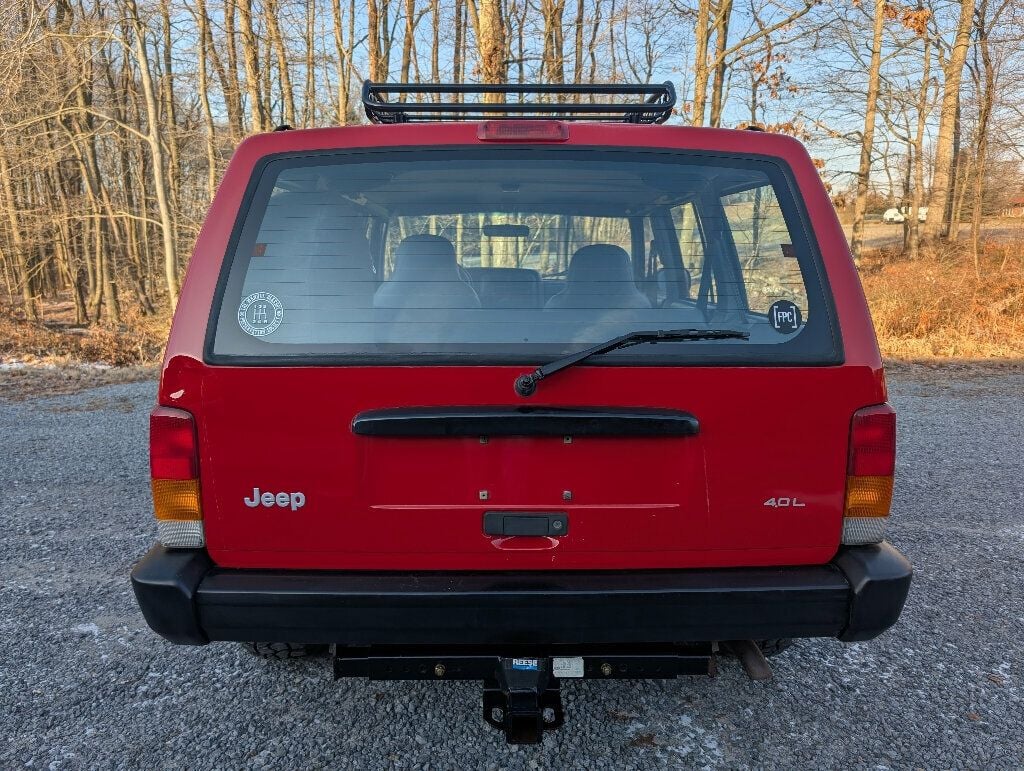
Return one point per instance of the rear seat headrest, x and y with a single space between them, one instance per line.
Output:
425 252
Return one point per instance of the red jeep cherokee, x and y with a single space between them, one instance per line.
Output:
518 392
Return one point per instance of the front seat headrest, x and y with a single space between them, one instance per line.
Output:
600 277
425 252
601 262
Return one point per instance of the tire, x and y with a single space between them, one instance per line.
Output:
277 650
774 647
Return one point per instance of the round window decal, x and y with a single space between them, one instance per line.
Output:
785 317
260 314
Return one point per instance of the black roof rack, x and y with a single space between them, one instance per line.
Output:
655 107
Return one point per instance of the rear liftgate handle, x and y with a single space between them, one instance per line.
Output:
524 700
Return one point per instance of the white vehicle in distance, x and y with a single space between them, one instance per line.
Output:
895 215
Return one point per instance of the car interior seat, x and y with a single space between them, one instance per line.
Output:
600 276
426 275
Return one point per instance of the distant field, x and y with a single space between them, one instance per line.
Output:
880 235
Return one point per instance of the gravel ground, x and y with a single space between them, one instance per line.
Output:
85 684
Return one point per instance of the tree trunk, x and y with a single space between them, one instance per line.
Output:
721 45
378 68
344 52
700 62
251 62
229 76
964 170
157 156
204 97
22 274
553 62
868 137
170 111
407 40
922 119
489 28
577 68
309 88
459 45
986 97
281 54
266 82
957 179
595 28
435 31
942 178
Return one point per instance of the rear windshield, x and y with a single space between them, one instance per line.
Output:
505 255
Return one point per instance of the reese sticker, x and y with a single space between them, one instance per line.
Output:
528 664
784 316
260 314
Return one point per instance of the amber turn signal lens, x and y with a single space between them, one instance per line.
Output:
176 499
868 496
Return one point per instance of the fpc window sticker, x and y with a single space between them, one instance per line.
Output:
260 314
785 317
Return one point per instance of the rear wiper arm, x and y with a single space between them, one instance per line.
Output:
526 383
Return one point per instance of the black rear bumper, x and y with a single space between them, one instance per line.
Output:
188 600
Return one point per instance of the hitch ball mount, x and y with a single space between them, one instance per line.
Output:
524 700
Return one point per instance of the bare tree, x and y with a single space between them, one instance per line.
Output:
489 30
868 135
943 178
277 44
985 87
156 150
553 62
922 111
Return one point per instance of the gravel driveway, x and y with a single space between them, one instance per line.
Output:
85 684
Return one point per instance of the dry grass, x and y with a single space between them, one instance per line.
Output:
139 340
59 358
936 307
42 380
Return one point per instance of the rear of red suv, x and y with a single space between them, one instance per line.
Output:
520 400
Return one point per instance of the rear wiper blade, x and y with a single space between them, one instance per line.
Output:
526 383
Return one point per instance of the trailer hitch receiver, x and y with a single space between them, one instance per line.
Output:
524 700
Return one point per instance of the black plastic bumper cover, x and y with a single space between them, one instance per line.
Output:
188 600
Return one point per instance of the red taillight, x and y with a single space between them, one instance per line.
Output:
174 466
873 442
869 474
522 131
172 444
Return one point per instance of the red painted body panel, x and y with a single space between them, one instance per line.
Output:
636 502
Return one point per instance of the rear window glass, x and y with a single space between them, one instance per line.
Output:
517 255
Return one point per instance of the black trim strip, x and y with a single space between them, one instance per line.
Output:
524 421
